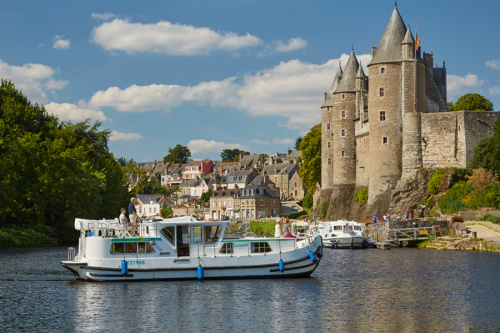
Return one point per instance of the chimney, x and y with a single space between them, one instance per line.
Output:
221 169
374 50
325 95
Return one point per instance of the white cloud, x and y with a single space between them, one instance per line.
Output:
74 113
493 64
286 141
494 90
120 136
60 43
205 146
291 90
167 38
259 142
292 45
459 85
32 79
103 16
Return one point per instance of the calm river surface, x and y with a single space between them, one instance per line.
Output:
401 290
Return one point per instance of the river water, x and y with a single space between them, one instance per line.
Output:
401 290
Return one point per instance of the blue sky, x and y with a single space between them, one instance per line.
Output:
222 74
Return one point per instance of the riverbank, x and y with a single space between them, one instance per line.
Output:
487 239
22 237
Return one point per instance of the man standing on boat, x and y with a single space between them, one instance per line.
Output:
132 214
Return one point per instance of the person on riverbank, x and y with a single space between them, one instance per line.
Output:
286 229
132 215
277 229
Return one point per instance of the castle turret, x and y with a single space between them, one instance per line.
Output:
327 134
384 108
344 113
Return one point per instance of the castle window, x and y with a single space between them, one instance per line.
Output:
381 92
327 109
329 161
342 132
343 96
382 115
384 140
329 144
342 153
342 114
382 70
328 126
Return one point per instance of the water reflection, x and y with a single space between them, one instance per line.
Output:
401 290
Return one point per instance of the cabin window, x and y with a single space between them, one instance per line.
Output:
169 233
196 235
260 247
211 233
131 247
337 227
226 248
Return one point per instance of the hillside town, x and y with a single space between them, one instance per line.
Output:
252 188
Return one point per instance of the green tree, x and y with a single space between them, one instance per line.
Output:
147 185
205 197
53 172
487 152
297 143
166 212
310 170
472 102
232 155
178 154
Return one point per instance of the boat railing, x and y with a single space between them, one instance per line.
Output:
71 254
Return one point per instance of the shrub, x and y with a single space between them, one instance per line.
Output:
451 201
456 218
435 182
491 218
429 201
362 196
308 200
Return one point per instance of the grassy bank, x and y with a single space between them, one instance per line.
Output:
22 237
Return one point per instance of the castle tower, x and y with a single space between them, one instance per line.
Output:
327 134
413 104
344 113
385 108
362 128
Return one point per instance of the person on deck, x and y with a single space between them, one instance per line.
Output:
277 229
286 229
132 215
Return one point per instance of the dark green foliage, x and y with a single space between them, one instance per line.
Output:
308 200
148 186
21 237
297 143
429 201
489 197
451 201
296 215
178 154
491 218
435 182
472 102
205 197
53 172
310 170
232 155
166 212
487 152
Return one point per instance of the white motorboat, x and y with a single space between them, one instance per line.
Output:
342 234
184 248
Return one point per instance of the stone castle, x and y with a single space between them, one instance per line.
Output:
380 128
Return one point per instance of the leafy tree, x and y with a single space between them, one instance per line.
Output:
310 170
232 155
205 197
472 102
308 201
297 143
53 172
122 161
147 185
487 152
166 212
178 154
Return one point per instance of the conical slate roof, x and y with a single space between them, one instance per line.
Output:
408 38
348 82
389 49
361 72
335 83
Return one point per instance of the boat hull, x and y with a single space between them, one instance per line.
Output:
187 268
355 242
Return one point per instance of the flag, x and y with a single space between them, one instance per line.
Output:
417 44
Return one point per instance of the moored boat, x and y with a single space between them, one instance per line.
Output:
184 248
342 234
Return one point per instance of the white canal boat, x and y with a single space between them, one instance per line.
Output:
184 248
342 234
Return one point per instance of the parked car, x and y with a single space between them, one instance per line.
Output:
294 207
